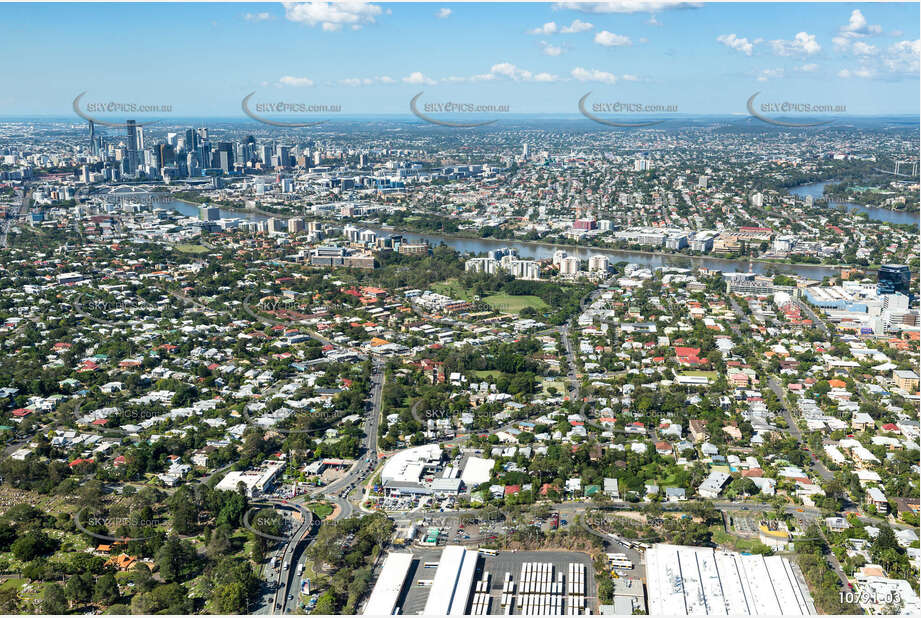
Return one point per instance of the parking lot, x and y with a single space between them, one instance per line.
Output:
415 596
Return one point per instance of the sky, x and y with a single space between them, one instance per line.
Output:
372 58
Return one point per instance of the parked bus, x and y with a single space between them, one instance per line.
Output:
489 552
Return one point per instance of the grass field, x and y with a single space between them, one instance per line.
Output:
710 375
514 304
560 386
500 302
191 248
452 288
487 373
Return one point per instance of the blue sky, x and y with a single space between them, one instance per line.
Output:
373 57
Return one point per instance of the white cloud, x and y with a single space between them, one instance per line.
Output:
366 81
864 49
841 43
507 69
902 57
443 13
418 78
332 16
551 50
626 6
577 26
299 82
630 78
802 43
767 74
549 28
857 26
862 73
808 68
652 21
254 17
609 39
737 43
593 75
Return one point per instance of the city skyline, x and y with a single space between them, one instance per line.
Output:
700 59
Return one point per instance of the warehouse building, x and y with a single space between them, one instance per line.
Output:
699 581
386 594
453 581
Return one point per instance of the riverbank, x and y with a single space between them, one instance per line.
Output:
468 242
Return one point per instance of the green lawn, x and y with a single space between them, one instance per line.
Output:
560 386
13 583
320 510
452 288
514 304
191 248
488 373
710 375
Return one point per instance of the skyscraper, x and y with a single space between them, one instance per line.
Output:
131 156
223 157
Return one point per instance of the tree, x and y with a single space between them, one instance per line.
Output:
9 601
231 599
79 588
106 590
33 544
174 559
54 601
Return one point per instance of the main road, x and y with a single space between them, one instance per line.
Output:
23 208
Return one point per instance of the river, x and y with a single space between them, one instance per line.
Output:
539 250
816 190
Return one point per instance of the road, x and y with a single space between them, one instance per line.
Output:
287 584
819 322
24 204
777 388
575 386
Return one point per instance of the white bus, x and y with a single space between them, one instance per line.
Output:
489 552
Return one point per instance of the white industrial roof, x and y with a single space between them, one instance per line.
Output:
452 583
386 593
689 581
477 470
407 466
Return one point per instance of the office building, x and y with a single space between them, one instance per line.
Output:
209 213
131 155
894 278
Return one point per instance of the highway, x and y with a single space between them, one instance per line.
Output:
24 204
287 587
